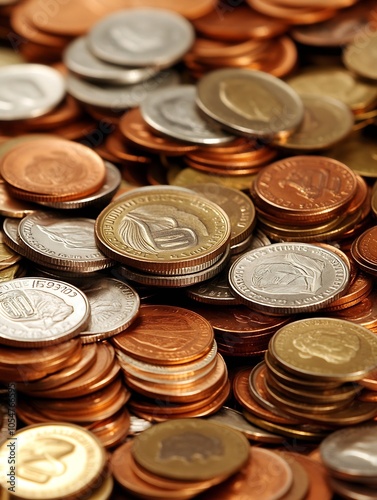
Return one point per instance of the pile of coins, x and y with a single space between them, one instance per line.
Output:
170 362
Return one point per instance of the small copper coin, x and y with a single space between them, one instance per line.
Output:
319 478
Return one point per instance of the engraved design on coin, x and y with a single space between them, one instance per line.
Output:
259 105
53 169
190 447
160 227
312 182
180 111
141 37
70 235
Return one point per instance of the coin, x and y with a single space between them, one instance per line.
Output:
349 453
162 37
285 278
189 449
37 311
250 102
319 479
29 90
78 456
354 491
360 60
173 112
325 348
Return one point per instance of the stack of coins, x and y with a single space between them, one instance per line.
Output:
164 236
10 261
79 470
363 251
168 356
350 458
329 354
179 459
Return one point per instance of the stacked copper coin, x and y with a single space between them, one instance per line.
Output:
164 236
364 252
169 357
309 198
354 478
179 459
89 393
327 354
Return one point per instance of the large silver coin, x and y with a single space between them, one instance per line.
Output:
142 37
80 60
250 102
118 97
287 278
29 90
173 112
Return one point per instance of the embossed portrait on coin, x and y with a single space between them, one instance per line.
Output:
53 169
42 459
249 100
182 112
156 228
34 310
70 235
191 447
288 274
329 346
312 183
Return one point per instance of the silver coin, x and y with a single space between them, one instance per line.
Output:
249 102
118 97
55 241
11 235
113 304
37 311
286 278
80 60
174 112
351 453
29 90
142 37
103 195
352 491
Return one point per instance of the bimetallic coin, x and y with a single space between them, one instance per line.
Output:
163 231
350 453
78 456
286 278
29 90
36 311
325 348
173 112
142 37
81 61
250 102
191 449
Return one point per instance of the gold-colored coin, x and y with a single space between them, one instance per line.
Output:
325 348
335 82
361 58
52 461
163 230
191 449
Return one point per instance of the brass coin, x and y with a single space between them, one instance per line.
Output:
325 349
250 102
359 59
191 449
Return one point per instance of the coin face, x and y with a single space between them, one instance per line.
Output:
163 230
173 112
191 449
53 461
29 90
286 278
326 348
250 102
360 59
38 311
141 37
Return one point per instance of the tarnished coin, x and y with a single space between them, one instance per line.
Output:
286 278
350 453
118 97
173 112
29 90
163 231
250 102
326 122
142 37
113 304
53 461
55 241
325 348
80 60
191 449
37 311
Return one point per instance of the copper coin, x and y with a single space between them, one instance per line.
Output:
54 167
113 430
292 15
166 335
319 486
125 152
